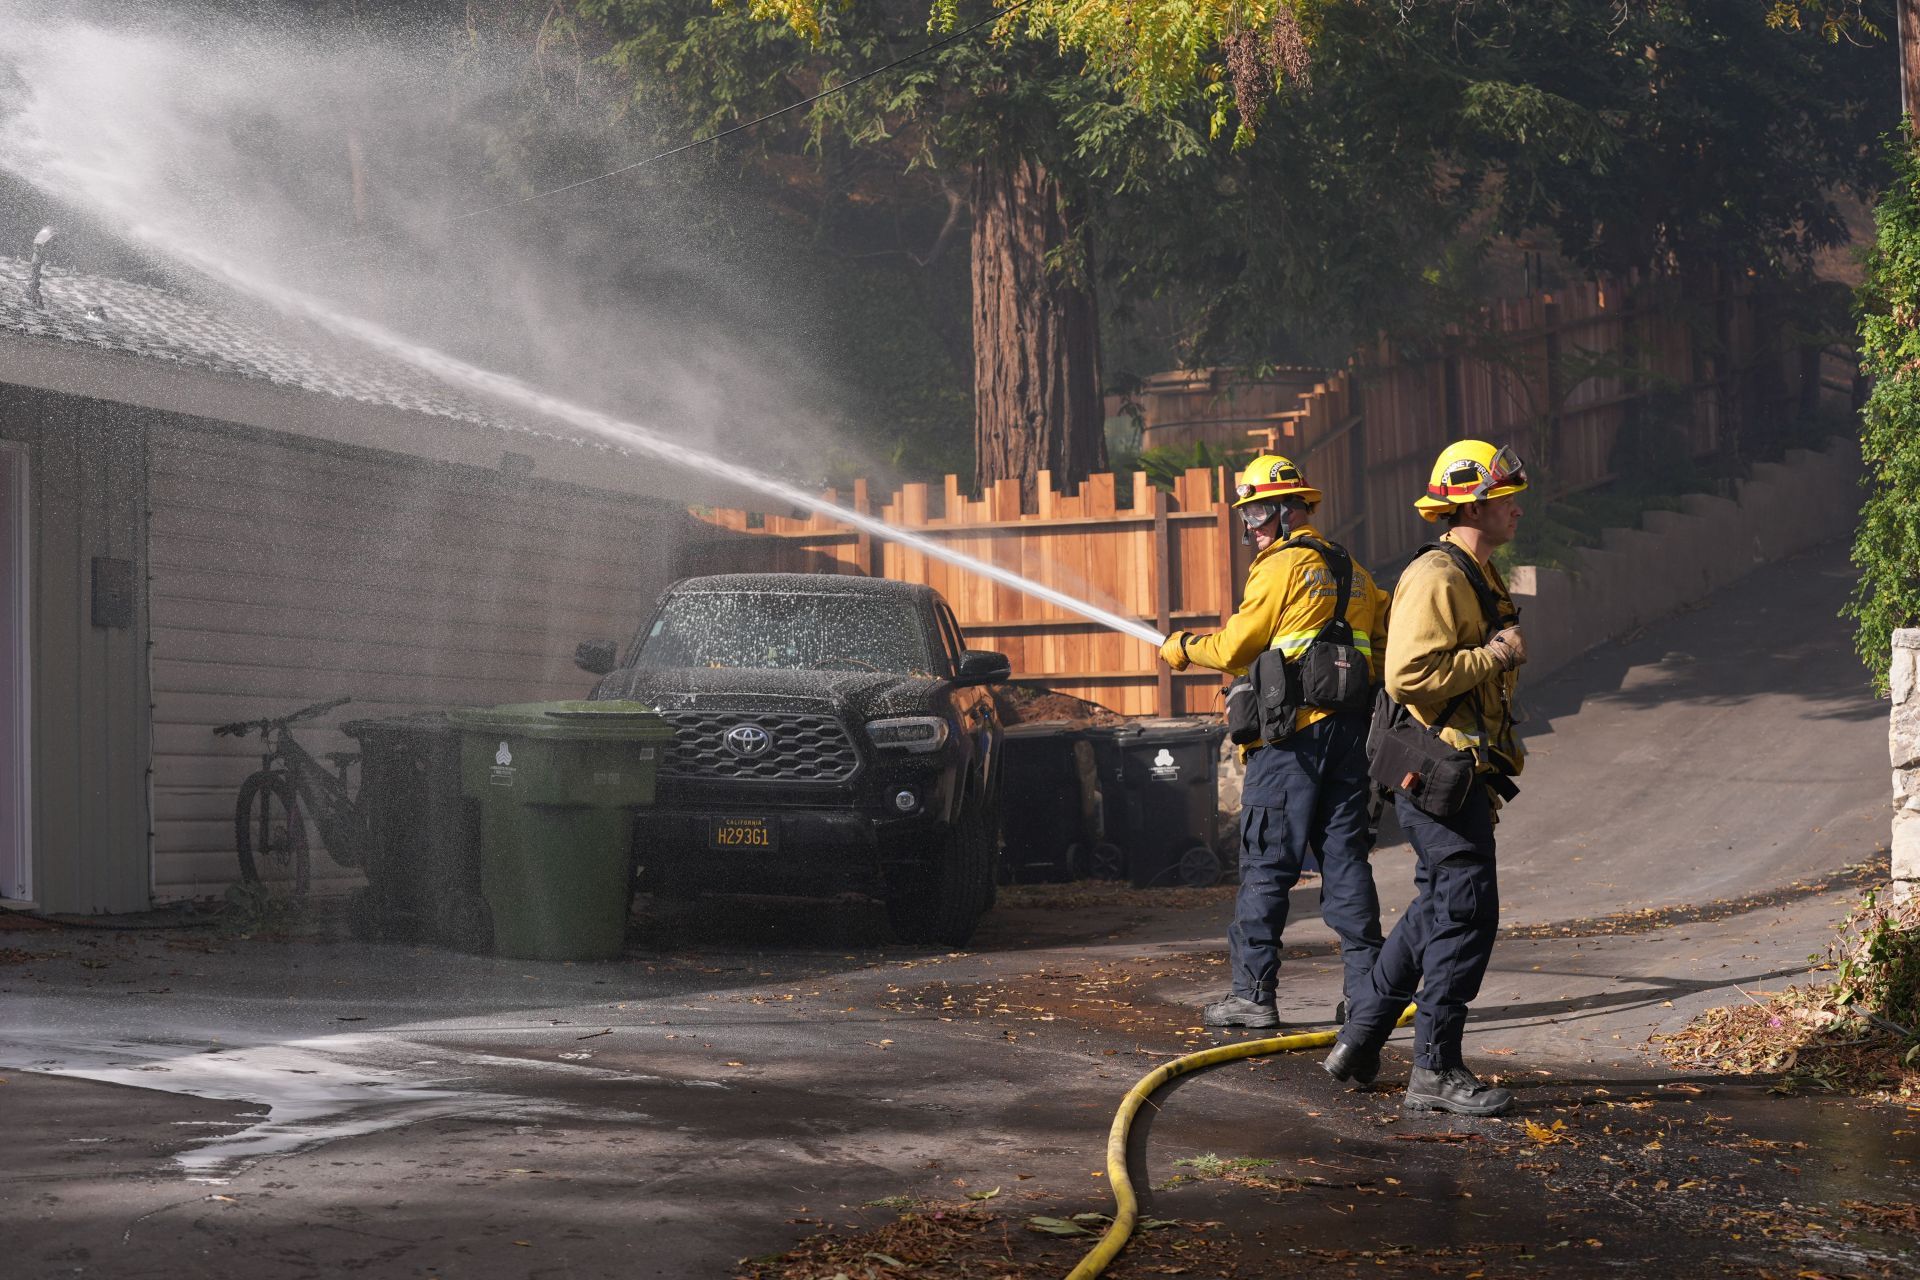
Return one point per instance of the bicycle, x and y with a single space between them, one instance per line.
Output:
268 820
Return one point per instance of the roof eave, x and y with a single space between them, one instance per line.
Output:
57 365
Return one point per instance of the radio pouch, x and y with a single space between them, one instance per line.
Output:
1243 713
1262 705
1332 673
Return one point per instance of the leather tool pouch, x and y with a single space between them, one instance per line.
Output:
1408 757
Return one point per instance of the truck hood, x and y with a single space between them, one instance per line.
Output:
860 695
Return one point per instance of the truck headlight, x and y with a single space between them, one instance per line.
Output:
915 734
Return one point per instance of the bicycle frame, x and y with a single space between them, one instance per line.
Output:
323 795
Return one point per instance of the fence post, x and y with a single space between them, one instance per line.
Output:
1225 527
864 548
1550 386
1162 597
1361 519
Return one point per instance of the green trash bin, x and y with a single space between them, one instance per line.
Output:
557 784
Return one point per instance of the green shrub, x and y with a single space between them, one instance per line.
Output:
1887 547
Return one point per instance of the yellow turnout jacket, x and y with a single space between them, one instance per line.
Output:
1436 653
1290 595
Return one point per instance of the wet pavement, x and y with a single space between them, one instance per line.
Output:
187 1103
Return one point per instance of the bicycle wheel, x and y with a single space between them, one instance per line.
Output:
268 828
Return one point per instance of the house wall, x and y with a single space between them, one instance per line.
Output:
89 728
286 572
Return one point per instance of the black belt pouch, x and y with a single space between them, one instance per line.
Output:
1413 760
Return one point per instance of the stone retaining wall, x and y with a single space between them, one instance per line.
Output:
1676 559
1903 746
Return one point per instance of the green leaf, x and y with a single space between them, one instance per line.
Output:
1056 1226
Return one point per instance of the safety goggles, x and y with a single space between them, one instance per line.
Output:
1255 514
1466 480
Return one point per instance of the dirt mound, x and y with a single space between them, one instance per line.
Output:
1024 704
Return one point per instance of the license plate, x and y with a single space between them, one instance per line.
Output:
758 835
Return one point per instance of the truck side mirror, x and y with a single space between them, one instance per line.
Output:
983 666
595 657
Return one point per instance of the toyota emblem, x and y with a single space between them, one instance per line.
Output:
748 740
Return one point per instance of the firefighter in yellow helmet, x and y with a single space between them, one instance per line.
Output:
1306 782
1456 644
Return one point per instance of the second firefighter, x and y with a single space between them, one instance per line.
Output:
1306 781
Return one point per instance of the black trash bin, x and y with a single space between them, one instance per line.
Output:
1169 801
1051 808
423 866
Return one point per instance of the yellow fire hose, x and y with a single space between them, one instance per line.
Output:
1126 1209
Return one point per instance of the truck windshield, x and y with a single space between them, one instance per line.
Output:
782 631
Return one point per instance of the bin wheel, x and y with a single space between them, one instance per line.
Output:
268 830
1107 862
1200 867
942 899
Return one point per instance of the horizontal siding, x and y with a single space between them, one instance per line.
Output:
89 698
285 573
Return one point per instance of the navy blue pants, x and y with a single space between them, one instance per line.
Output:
1308 793
1445 938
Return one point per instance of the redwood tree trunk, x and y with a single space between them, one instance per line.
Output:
1906 17
1036 334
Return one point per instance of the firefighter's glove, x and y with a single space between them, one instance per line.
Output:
1174 649
1510 648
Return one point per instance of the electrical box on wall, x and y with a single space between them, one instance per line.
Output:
112 592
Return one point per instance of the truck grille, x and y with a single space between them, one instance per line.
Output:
802 748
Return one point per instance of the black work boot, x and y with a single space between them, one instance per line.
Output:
1359 1063
1340 1013
1238 1011
1454 1089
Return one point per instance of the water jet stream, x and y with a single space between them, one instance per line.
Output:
625 437
84 144
628 437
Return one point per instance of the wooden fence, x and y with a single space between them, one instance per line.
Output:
1559 377
1172 560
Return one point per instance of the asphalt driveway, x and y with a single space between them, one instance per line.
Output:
1703 803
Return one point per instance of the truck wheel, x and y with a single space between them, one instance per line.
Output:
942 899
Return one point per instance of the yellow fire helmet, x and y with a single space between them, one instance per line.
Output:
1470 471
1269 478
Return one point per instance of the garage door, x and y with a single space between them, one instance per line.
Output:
285 573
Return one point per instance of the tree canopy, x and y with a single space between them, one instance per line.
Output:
1158 53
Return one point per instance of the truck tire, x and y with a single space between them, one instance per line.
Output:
942 899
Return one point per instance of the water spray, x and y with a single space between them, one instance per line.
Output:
626 437
99 179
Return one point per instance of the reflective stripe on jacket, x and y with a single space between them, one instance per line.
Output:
1437 651
1290 595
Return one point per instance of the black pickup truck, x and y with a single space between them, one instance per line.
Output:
830 734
